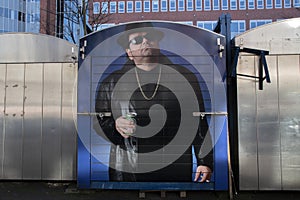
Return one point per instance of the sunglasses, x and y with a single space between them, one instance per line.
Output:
139 39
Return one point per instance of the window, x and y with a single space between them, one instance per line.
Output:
256 23
121 7
237 27
129 6
180 5
103 26
138 6
147 6
207 5
172 5
104 8
113 7
190 5
233 4
278 4
224 4
269 4
250 4
164 6
297 3
155 6
242 4
96 8
260 4
186 22
209 25
198 5
216 5
287 4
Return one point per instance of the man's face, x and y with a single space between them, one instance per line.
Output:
143 47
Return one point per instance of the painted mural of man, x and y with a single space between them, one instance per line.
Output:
147 69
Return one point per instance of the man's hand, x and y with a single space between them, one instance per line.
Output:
205 172
125 127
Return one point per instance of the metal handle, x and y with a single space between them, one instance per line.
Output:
202 114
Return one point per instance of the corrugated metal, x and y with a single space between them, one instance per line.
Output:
38 100
269 119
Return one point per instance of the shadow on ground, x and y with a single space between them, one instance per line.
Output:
32 190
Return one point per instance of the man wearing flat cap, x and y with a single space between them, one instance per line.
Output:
148 73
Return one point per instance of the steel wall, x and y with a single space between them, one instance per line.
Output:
269 119
37 102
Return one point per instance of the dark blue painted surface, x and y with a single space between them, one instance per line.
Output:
91 175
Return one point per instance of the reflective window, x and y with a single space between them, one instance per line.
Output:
138 6
121 7
172 5
233 4
237 27
104 7
186 22
207 5
269 4
224 4
287 3
209 25
216 4
242 4
250 4
129 6
260 4
198 5
147 6
297 3
190 5
278 4
164 5
96 8
113 7
181 5
155 6
256 23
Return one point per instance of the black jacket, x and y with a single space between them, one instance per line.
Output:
124 158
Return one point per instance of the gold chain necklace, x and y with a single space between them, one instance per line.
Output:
156 88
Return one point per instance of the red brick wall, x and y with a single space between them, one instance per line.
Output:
212 15
48 17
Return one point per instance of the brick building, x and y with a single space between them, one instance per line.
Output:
47 16
245 14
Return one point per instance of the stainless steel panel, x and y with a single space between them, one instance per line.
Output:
268 134
2 101
289 99
30 47
52 113
248 155
12 163
267 99
69 112
277 120
282 37
269 156
32 143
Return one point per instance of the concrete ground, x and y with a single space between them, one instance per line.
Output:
32 190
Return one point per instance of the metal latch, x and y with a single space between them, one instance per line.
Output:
82 49
202 114
221 47
99 114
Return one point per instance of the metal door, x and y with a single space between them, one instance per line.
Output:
196 50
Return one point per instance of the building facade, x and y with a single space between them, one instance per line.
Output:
37 16
48 16
245 14
19 16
